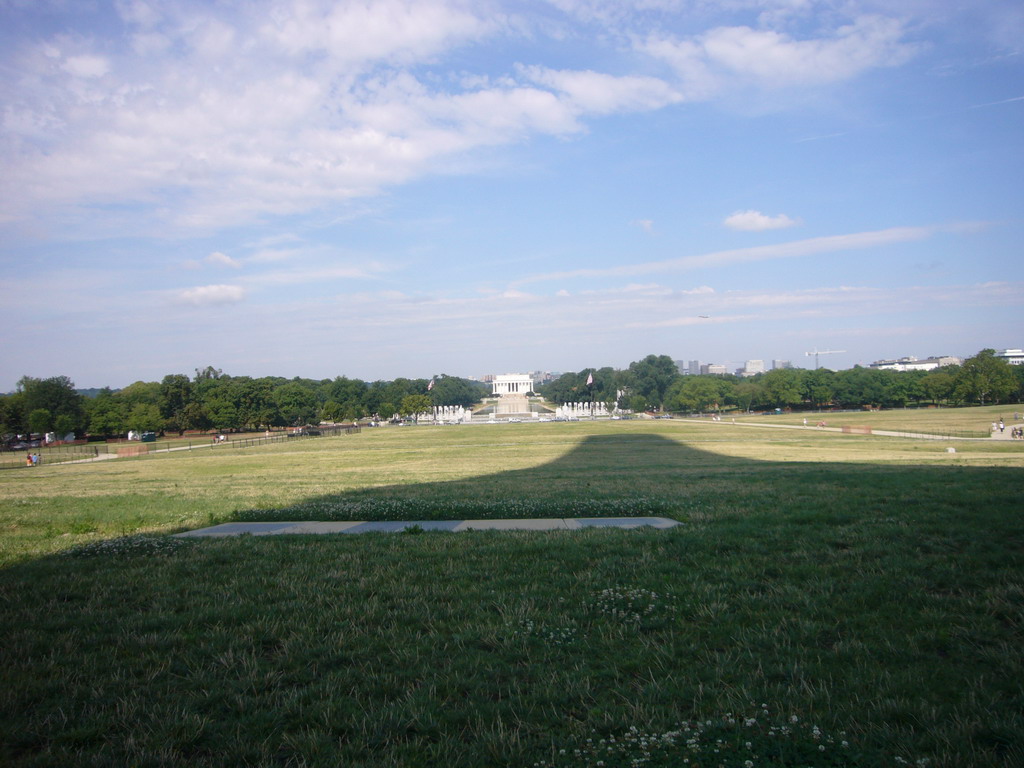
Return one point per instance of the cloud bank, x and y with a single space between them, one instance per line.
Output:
209 116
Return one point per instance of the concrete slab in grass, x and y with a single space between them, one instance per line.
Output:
624 522
538 524
234 529
315 527
397 526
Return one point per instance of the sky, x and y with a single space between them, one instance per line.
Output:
410 188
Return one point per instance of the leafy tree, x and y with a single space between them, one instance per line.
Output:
781 387
224 415
745 393
386 410
296 402
819 386
332 411
254 400
938 385
195 416
414 404
637 403
140 392
915 385
108 415
455 391
175 394
145 417
374 399
12 414
395 391
40 420
63 425
859 386
348 394
1018 373
986 377
652 376
695 394
567 388
56 395
209 373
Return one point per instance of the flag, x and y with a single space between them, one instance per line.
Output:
590 379
430 386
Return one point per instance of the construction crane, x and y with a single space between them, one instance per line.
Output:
817 352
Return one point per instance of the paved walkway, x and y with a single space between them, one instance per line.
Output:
395 526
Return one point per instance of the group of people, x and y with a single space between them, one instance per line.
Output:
1016 433
32 459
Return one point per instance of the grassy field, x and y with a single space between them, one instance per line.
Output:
926 420
871 587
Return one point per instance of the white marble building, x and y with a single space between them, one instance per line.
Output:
517 384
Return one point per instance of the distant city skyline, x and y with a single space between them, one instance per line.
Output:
320 188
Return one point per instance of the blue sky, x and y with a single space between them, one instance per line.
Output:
306 188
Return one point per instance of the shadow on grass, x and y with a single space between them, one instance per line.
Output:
633 475
880 599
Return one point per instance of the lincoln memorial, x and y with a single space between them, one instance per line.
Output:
514 384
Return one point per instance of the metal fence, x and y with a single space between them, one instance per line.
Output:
250 442
51 454
64 454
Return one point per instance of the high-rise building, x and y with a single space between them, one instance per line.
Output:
751 368
777 364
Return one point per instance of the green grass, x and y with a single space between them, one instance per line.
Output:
976 421
869 586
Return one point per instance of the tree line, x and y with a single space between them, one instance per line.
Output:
212 399
655 384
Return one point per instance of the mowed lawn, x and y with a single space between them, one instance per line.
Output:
967 421
871 587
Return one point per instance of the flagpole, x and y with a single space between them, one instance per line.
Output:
590 388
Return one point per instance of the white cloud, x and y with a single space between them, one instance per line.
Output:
402 30
794 249
709 61
602 94
86 66
305 275
755 221
223 260
205 295
206 118
647 225
778 60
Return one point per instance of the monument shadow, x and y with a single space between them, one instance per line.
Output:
636 475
